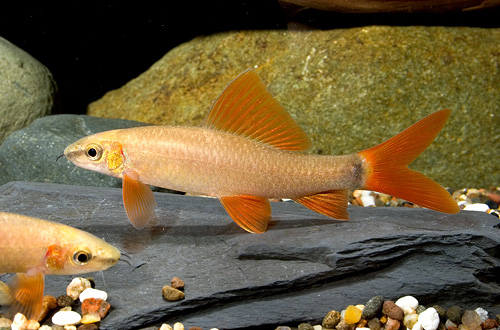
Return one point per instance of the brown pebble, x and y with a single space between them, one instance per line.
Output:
177 283
471 320
450 327
392 310
95 305
90 326
342 325
331 320
65 301
489 324
172 294
305 326
374 324
195 328
392 324
361 323
48 303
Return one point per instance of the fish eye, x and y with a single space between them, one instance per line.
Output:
93 152
81 257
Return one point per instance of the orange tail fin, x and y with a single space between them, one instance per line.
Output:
388 162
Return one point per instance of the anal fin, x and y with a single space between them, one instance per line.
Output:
249 212
330 203
138 200
27 294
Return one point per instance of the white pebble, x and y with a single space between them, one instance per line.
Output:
318 327
66 318
429 319
368 198
19 323
69 327
165 326
93 293
477 207
417 326
33 325
4 322
483 314
407 304
178 326
448 323
77 286
45 327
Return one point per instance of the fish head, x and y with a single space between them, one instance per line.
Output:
99 152
84 253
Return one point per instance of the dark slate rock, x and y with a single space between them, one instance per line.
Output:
30 154
303 267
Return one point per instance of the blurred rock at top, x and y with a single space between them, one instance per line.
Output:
391 6
94 47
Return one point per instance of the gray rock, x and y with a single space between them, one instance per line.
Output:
372 307
303 267
349 89
27 89
30 154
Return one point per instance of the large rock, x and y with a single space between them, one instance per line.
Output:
303 267
27 89
29 154
348 88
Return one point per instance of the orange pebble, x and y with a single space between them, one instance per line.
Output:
352 314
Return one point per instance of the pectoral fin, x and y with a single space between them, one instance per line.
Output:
138 200
249 212
330 203
27 294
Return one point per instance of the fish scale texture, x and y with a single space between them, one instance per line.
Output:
303 267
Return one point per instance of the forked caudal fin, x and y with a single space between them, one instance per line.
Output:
388 172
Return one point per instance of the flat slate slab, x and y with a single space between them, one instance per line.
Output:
304 266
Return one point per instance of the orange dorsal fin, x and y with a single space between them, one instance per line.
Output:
249 212
330 203
27 293
247 109
138 200
387 171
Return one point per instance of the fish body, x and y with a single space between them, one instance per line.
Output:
213 163
33 248
249 149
